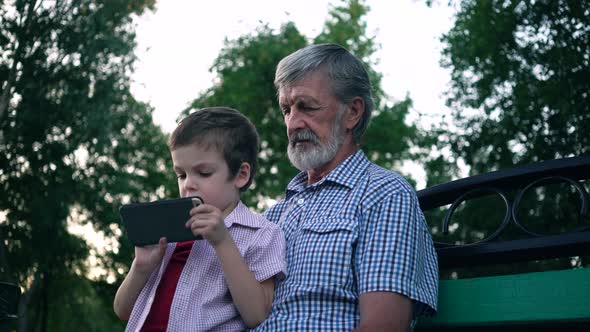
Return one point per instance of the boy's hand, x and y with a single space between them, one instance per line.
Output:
147 258
207 220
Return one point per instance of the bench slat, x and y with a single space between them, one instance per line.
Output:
532 298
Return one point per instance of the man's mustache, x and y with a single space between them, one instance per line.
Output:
304 135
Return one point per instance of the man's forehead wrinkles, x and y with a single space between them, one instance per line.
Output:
295 97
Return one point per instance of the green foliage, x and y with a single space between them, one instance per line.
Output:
519 94
75 145
387 140
82 307
524 66
346 26
245 72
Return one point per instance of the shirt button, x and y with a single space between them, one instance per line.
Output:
300 201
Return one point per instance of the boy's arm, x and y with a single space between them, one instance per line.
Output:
252 298
146 260
128 292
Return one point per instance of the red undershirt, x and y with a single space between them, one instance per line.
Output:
157 319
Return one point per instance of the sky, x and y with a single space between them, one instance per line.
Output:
178 43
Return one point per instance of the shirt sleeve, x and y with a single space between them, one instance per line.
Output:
396 253
266 255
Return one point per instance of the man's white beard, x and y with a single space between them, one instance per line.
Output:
314 154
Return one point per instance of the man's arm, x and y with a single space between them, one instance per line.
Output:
397 258
384 311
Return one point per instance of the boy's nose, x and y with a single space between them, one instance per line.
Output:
190 183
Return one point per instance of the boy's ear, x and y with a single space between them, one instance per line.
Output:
243 175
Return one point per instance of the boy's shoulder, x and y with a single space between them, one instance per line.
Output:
242 215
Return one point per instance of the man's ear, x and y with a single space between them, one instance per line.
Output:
242 176
356 110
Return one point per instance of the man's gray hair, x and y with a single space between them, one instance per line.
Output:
347 74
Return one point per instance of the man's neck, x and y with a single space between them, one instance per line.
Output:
316 174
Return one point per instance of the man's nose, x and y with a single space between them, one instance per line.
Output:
294 121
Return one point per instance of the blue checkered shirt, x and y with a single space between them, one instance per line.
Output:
359 229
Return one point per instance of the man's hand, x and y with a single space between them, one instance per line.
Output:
207 220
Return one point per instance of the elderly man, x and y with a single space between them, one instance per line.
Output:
359 254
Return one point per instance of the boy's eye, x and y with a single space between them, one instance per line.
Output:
181 176
205 174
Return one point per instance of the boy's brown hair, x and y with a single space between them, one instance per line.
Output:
225 129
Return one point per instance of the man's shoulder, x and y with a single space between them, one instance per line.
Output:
378 178
378 185
358 171
275 210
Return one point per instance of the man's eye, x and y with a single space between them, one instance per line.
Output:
306 107
285 110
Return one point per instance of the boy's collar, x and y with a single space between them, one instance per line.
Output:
241 215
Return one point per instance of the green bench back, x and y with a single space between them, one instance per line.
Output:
557 300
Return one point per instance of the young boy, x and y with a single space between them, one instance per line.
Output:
226 281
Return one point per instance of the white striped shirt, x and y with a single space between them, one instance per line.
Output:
202 301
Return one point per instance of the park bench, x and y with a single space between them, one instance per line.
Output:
505 299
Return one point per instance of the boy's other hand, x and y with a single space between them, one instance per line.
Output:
207 220
147 258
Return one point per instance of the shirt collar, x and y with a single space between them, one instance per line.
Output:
241 215
347 173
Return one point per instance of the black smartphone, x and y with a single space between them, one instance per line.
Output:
146 223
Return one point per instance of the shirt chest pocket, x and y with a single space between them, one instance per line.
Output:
324 251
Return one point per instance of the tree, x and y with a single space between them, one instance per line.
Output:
520 75
245 72
75 145
520 81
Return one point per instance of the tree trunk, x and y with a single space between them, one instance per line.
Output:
23 319
44 302
5 270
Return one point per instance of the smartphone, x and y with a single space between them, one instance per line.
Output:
146 223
